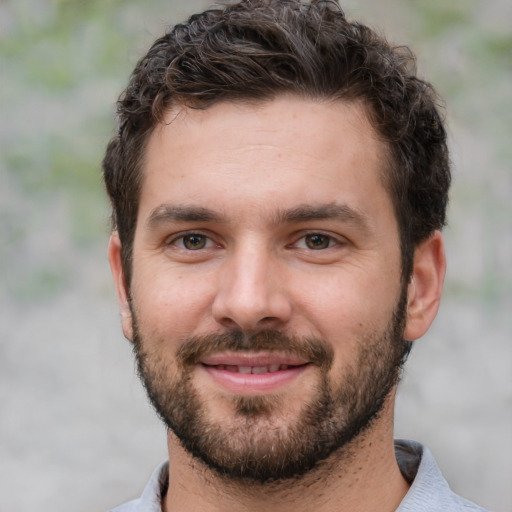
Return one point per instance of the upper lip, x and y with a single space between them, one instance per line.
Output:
254 359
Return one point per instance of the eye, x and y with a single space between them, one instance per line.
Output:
192 242
316 242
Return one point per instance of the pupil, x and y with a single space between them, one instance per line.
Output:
317 241
194 241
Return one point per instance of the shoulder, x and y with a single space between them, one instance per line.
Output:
151 498
429 490
131 506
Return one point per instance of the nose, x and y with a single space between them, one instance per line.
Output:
251 292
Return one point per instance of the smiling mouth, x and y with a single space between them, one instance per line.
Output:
254 374
271 368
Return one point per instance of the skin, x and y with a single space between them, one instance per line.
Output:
251 165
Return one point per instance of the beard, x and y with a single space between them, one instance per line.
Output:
256 443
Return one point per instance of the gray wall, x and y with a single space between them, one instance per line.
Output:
75 430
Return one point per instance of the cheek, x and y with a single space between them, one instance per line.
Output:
170 303
342 294
345 300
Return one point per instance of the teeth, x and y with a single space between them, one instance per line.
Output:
253 369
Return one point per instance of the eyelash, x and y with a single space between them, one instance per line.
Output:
174 241
179 241
330 239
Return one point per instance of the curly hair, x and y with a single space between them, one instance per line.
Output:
257 49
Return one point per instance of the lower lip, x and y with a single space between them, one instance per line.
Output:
253 383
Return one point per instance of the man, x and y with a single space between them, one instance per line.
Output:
279 182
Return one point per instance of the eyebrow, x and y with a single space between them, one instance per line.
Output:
166 213
335 211
175 213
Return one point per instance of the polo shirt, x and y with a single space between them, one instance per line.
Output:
429 491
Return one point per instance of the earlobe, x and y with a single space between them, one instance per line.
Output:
425 286
123 295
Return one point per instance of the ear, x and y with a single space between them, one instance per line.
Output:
425 286
123 294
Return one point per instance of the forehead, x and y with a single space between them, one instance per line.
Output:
290 150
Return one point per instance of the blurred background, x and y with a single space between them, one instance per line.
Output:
76 432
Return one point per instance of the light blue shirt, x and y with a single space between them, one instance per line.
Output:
429 491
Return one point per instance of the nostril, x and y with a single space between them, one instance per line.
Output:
228 322
268 321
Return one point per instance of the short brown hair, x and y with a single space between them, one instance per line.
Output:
257 49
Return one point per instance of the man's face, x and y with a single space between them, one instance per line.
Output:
266 300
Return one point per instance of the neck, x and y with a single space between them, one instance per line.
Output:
362 477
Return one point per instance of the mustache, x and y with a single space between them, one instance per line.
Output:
314 350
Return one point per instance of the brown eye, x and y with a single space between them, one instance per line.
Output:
194 242
317 241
